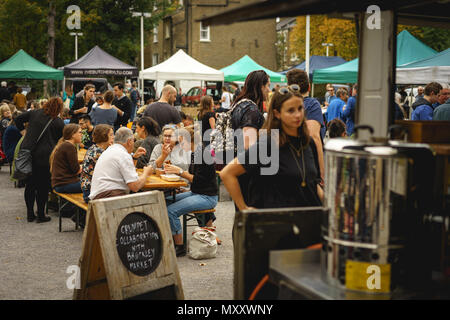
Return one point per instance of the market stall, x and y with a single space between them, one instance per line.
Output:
316 63
23 66
409 49
435 68
98 63
239 70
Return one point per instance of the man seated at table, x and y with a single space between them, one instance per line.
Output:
115 173
85 123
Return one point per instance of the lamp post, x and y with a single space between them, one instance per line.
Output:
142 15
76 34
327 45
307 44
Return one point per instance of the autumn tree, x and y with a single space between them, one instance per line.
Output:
341 33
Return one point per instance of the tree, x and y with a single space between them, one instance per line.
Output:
51 40
341 33
26 24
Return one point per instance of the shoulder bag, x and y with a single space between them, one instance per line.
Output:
23 161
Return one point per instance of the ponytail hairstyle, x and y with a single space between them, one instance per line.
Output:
205 106
68 132
252 88
336 128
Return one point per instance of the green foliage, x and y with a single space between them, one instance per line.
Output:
106 23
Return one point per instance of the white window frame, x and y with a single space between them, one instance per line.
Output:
167 31
155 56
208 30
155 34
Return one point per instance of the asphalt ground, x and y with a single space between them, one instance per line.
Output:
34 258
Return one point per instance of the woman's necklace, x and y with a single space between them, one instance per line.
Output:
299 153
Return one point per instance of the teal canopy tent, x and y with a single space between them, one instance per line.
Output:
239 70
409 49
23 66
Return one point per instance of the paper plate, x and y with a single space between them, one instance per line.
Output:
170 177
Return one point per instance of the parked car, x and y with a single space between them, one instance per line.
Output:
194 95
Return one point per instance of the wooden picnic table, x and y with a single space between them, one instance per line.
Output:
155 182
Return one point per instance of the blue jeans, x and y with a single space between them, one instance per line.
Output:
86 193
187 202
69 188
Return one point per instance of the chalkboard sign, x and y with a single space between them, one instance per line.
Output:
138 242
128 250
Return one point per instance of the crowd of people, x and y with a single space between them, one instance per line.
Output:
120 137
431 103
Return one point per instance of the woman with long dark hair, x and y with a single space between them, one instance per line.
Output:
247 115
148 130
287 178
38 184
207 117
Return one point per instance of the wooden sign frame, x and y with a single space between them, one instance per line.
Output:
103 276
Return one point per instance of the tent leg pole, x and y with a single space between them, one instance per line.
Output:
312 91
64 85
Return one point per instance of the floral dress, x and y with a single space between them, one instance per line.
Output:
87 168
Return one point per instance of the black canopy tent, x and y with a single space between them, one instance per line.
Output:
98 63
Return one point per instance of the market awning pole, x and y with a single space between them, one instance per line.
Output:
307 45
376 71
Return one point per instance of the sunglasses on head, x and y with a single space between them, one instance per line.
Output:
293 88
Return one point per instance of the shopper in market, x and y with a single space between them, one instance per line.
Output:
123 106
296 183
247 117
298 80
207 118
424 106
38 184
83 103
336 106
104 113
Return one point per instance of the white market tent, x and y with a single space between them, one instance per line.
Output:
435 68
181 66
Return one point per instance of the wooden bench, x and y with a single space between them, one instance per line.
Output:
74 198
192 215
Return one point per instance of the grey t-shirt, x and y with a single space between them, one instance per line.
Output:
103 116
163 113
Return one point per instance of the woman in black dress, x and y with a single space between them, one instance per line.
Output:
38 184
289 175
207 117
247 117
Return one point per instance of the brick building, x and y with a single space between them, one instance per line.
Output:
216 46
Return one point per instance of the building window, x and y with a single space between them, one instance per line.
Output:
167 30
155 34
204 33
155 59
